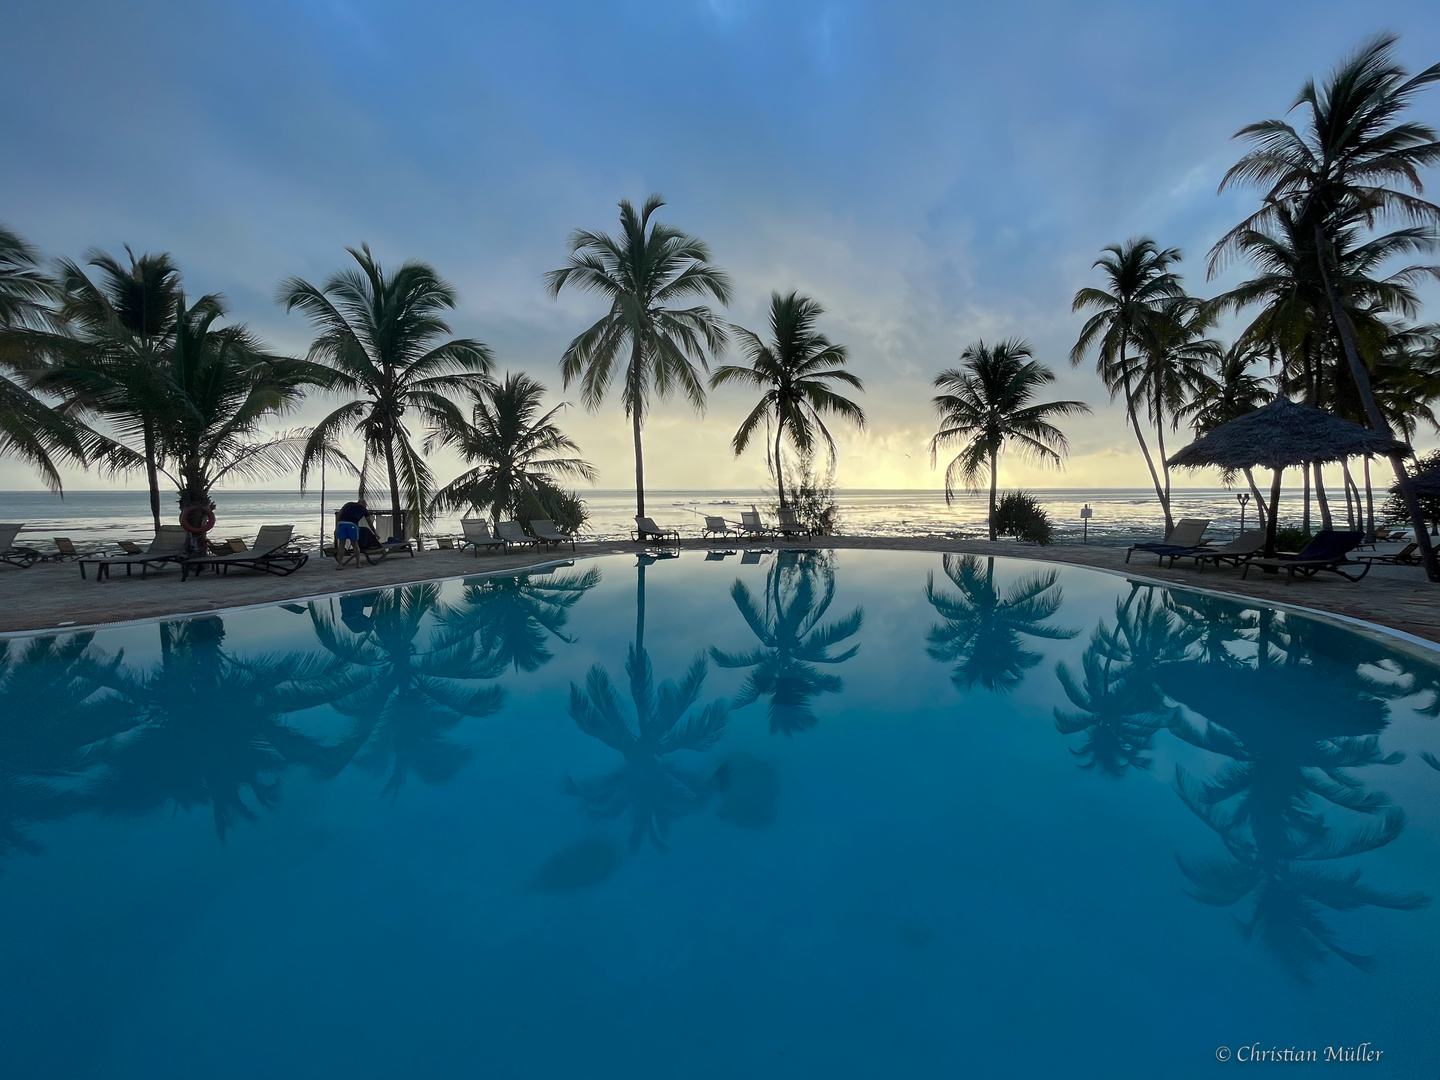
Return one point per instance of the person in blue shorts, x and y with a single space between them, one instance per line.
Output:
347 530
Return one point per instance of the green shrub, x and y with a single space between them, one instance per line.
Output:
812 497
566 509
1291 539
1019 515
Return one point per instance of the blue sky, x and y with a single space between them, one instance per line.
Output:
932 173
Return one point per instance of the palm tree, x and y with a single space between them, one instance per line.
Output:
642 272
791 371
29 429
1140 280
982 630
1176 355
792 640
521 455
991 401
1354 164
120 329
381 336
221 386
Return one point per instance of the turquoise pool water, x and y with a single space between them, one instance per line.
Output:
858 814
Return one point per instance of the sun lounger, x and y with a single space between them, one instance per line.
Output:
1245 546
750 523
546 532
9 553
130 547
512 532
1327 552
1183 539
65 549
167 547
1406 556
271 553
789 524
646 529
380 549
478 535
717 526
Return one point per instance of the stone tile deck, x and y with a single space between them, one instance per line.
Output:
52 595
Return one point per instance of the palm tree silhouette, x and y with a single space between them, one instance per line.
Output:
642 273
511 617
799 588
990 401
1286 800
403 699
53 711
982 631
791 371
653 789
209 727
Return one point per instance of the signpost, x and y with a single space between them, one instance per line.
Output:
1085 515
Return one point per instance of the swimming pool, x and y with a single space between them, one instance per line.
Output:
793 814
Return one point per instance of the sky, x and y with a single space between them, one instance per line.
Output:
932 173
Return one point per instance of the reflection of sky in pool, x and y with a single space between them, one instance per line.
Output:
957 819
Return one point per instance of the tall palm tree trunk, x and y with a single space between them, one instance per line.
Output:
639 466
1373 413
994 475
152 474
779 471
1305 517
1274 522
1259 499
1144 448
397 517
1369 504
1352 505
1322 499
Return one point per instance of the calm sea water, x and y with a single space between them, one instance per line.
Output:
861 814
1120 515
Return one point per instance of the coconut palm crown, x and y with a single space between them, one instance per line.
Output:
519 453
382 335
791 371
990 401
642 273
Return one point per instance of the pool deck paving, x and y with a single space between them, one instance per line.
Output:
53 595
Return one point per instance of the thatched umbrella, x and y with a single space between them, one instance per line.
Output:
1279 435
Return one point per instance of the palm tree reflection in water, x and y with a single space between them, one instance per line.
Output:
512 617
1119 706
1292 724
799 588
208 726
647 784
982 632
404 698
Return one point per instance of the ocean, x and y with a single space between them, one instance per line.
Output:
1120 515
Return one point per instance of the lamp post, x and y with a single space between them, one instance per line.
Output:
1244 500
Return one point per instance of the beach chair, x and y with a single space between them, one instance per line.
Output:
168 546
1184 539
750 523
546 532
478 535
788 524
130 547
1406 556
717 526
373 548
512 532
1327 552
1245 546
271 552
22 557
646 529
65 549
